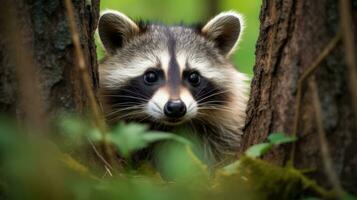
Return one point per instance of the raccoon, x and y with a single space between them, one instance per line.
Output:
176 77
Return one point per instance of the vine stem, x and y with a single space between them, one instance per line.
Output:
310 70
325 153
97 116
350 50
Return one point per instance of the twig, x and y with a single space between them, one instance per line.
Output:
81 64
350 50
310 70
106 164
83 69
326 158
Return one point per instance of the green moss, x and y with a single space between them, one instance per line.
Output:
274 182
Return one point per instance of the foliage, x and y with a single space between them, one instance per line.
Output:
258 150
131 137
37 168
268 181
274 139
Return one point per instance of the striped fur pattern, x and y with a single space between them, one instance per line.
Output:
176 77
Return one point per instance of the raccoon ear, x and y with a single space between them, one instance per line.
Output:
115 29
224 29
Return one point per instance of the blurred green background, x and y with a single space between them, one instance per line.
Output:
192 11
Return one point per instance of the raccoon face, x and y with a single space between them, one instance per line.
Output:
168 74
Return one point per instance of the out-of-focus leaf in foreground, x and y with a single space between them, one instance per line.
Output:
258 150
129 138
281 138
274 139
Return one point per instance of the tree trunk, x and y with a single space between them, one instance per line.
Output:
292 35
41 28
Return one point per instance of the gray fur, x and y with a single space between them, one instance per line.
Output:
218 128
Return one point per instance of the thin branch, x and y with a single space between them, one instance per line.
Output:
350 50
326 158
81 64
106 164
310 70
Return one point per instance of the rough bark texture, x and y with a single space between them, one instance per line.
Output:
292 35
44 28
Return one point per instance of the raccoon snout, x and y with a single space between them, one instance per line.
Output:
175 109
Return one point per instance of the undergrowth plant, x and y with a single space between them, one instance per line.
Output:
36 168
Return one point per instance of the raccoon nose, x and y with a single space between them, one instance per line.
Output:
175 109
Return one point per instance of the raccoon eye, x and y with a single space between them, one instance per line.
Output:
150 77
194 78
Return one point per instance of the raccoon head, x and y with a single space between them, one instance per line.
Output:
169 74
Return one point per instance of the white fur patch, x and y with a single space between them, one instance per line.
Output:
191 104
114 73
208 71
181 60
155 107
164 60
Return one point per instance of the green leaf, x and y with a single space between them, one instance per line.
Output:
348 196
179 163
310 198
95 135
280 138
132 137
72 126
258 150
231 168
128 138
156 136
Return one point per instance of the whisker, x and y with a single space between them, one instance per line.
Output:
203 94
128 116
116 109
126 96
134 108
124 105
147 117
133 93
210 92
199 92
211 95
211 102
217 109
207 118
129 104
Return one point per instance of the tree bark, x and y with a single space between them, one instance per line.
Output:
292 35
42 29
